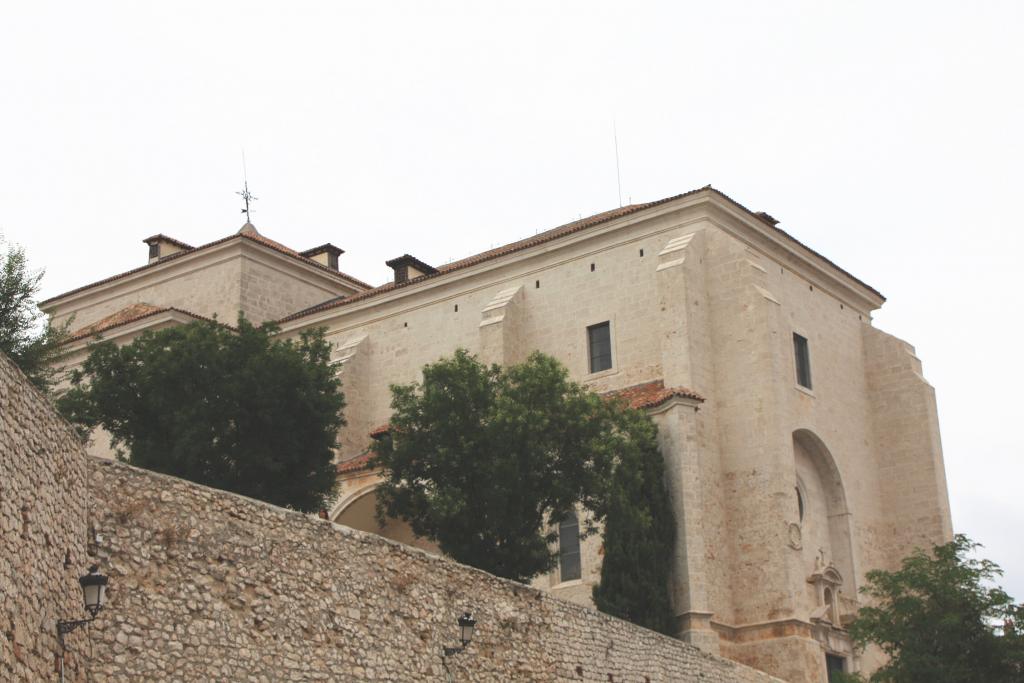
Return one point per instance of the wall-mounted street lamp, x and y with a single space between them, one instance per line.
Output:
467 624
94 594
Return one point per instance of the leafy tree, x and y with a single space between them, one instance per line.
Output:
239 411
639 530
32 345
939 620
482 460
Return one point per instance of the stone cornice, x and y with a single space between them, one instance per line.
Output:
674 401
191 262
794 256
719 210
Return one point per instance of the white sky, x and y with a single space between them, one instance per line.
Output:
886 135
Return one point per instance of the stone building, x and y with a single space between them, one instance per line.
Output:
802 443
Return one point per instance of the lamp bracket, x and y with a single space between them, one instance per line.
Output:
66 627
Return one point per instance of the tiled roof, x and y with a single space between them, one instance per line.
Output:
126 315
556 233
360 462
651 394
410 260
326 247
255 237
160 237
380 430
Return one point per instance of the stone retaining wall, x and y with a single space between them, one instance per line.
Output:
42 530
207 585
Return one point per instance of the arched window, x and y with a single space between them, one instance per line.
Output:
569 548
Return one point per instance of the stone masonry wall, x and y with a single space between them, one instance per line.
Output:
42 531
206 585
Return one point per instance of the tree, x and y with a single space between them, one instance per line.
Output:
940 619
482 460
639 530
34 346
236 410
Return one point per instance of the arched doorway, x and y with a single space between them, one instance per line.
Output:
825 526
360 512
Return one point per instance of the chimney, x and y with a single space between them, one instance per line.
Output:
161 246
408 267
325 255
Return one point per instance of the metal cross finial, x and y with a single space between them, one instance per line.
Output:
248 197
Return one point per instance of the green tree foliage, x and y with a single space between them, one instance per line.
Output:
482 460
239 411
939 619
639 530
33 345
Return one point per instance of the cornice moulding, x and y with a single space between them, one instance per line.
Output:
719 212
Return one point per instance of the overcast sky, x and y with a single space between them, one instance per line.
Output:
885 135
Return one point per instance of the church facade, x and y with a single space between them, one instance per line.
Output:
801 443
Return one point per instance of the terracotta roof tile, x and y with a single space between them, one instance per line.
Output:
380 431
260 239
651 394
325 247
410 260
552 234
127 315
360 462
160 237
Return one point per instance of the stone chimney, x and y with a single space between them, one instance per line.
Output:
325 254
408 267
161 246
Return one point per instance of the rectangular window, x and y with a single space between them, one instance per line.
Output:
835 665
803 361
569 548
599 338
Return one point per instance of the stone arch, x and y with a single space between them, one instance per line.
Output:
827 529
358 511
826 466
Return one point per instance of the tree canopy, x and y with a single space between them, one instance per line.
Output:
485 460
33 345
940 618
639 530
482 459
236 410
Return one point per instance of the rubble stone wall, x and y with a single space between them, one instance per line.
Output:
207 585
42 531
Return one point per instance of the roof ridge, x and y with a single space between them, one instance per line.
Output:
265 241
555 233
98 327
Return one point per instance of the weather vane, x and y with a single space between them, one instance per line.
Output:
245 194
248 197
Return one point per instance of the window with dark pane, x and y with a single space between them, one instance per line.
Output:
835 665
600 340
803 361
569 548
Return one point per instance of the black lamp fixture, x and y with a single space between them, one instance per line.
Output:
94 593
467 624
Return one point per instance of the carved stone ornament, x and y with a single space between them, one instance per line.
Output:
796 540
